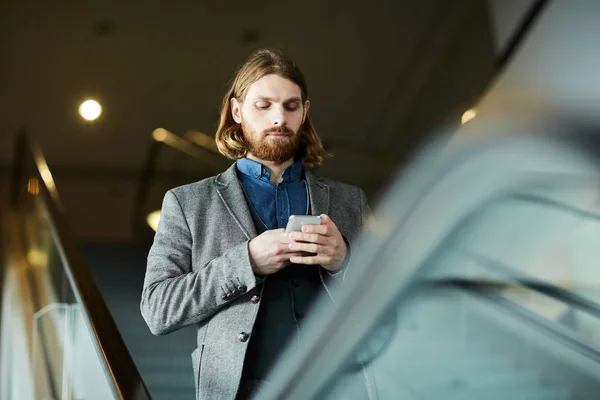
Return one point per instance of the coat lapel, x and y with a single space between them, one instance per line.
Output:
231 193
319 194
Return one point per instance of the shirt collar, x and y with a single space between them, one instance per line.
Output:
256 170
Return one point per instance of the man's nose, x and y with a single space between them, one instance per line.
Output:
277 116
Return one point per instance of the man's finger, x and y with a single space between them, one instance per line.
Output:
310 260
326 220
309 247
308 237
287 256
312 228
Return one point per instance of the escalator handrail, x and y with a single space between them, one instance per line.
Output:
489 290
524 279
128 383
545 288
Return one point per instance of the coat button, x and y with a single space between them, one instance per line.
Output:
225 297
242 289
243 337
255 299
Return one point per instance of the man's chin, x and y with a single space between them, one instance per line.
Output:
275 156
286 138
275 148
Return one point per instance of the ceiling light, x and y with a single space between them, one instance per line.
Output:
37 257
468 115
90 110
152 219
159 134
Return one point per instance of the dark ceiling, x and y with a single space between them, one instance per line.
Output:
378 73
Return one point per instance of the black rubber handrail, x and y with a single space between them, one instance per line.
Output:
489 291
125 376
539 286
520 32
523 279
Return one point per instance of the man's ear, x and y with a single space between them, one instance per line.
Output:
236 110
306 108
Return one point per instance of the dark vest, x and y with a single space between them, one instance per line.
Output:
286 299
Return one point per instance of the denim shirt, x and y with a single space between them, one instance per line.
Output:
274 203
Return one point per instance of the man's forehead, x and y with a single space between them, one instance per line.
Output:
274 87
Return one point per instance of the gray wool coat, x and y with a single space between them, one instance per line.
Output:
199 271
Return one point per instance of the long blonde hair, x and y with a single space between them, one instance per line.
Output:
229 136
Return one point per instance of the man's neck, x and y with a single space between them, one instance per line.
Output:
275 168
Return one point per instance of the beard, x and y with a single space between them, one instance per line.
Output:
269 148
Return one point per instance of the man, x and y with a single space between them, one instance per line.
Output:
221 258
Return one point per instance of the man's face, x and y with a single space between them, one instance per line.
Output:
271 116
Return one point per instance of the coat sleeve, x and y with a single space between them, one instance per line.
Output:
174 295
365 213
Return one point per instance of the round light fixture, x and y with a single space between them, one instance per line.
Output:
159 134
153 218
90 110
468 115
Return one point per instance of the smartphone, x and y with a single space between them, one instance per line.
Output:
296 221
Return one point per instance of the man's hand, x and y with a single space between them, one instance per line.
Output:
270 252
324 241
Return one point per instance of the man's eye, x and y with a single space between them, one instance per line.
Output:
291 107
262 106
